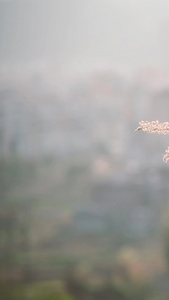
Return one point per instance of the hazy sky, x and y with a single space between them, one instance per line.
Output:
122 32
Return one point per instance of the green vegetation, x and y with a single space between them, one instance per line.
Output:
57 244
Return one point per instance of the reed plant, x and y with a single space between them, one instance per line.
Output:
155 127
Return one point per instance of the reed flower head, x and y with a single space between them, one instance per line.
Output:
166 156
155 127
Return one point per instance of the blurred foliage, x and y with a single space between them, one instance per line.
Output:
40 239
14 172
36 291
51 290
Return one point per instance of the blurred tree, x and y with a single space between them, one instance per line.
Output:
14 220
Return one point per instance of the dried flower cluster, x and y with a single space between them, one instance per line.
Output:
166 156
155 127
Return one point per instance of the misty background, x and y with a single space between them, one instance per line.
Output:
128 33
84 202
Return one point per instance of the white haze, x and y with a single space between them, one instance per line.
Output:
128 33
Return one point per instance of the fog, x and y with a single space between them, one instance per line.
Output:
121 33
84 202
